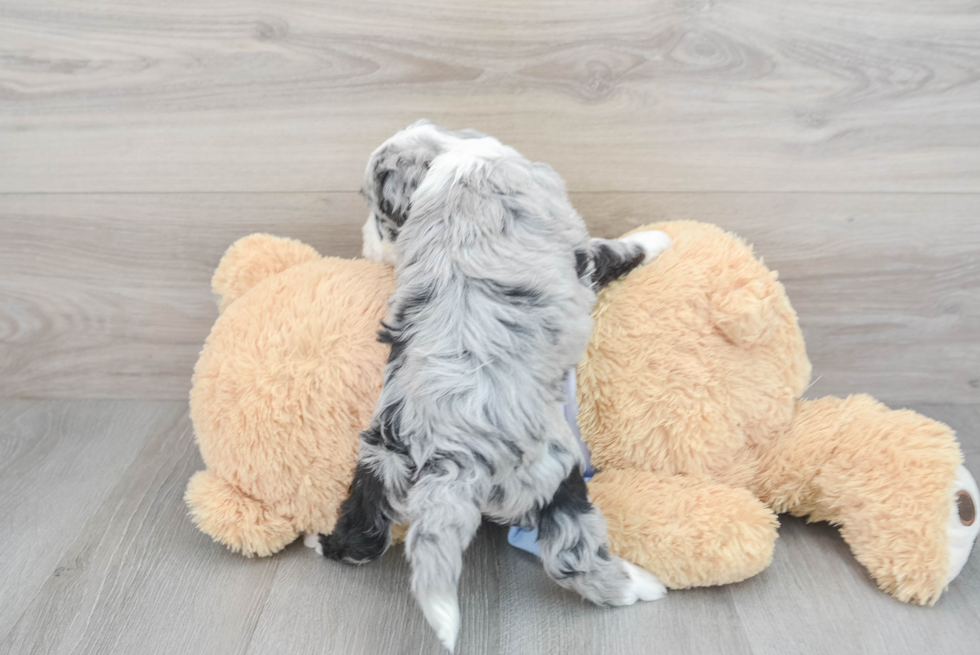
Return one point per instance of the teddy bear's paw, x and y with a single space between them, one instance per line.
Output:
963 524
643 585
653 242
313 541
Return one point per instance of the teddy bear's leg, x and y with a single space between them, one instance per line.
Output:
686 530
238 521
888 479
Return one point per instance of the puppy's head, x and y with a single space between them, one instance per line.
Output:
393 173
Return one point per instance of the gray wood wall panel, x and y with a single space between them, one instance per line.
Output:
108 295
139 139
694 95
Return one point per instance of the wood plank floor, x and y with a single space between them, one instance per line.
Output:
109 563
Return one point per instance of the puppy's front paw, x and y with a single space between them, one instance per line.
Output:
652 242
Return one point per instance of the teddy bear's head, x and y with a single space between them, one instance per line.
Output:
288 376
692 358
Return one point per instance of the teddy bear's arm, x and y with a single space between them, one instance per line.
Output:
242 523
252 259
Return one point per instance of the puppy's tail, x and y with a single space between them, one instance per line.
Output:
445 516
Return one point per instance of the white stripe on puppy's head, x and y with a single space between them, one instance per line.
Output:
397 168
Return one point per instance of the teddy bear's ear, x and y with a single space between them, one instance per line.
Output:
254 258
748 313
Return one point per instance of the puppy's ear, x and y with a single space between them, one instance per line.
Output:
396 184
397 170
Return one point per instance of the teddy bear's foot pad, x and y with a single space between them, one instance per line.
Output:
963 523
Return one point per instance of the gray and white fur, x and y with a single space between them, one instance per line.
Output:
496 278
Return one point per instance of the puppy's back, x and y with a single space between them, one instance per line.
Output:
489 313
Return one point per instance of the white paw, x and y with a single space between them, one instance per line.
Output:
441 610
313 541
643 585
653 243
963 523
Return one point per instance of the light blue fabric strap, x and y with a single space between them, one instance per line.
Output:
528 539
570 410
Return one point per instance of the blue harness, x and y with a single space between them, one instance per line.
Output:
527 539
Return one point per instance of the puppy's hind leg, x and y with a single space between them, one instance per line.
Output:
363 531
575 553
444 516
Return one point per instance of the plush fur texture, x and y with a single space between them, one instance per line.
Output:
695 367
289 374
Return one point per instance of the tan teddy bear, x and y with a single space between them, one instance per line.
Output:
689 398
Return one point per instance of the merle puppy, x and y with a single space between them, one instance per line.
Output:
496 279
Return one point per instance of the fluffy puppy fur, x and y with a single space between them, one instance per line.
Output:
496 278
